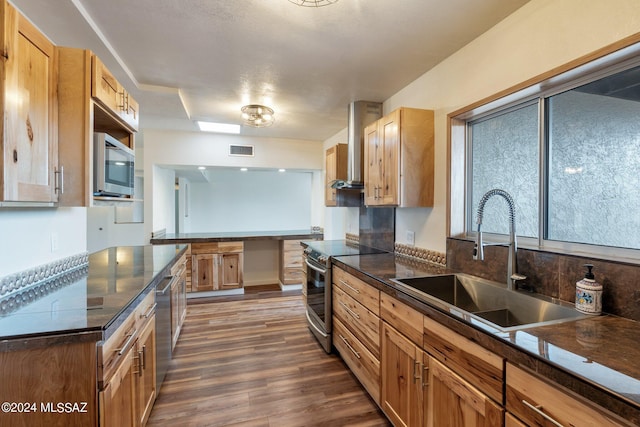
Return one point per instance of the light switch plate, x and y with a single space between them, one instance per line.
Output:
411 237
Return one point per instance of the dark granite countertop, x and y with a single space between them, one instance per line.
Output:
87 303
236 236
596 357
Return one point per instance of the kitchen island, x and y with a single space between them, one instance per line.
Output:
592 360
216 260
52 333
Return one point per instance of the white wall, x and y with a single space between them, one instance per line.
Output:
540 36
233 200
173 148
26 236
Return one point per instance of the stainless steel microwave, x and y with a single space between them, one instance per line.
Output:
113 167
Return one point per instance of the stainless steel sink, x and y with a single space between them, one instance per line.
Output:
490 303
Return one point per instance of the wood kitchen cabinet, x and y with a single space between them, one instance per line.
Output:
335 168
178 293
84 107
538 402
290 255
216 266
402 362
399 159
29 166
127 369
356 328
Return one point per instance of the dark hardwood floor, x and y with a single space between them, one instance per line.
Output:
251 361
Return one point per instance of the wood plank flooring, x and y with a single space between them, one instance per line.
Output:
251 361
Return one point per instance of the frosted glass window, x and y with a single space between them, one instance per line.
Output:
594 163
505 155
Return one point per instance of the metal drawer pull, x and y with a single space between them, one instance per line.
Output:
351 312
538 410
425 376
349 345
148 313
357 291
415 377
127 343
143 359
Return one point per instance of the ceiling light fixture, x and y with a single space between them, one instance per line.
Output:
257 116
313 3
218 127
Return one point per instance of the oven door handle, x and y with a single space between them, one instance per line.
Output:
314 325
319 270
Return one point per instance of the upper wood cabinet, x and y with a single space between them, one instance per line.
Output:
29 105
112 95
399 159
90 100
335 168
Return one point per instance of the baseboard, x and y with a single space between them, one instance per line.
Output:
291 287
224 292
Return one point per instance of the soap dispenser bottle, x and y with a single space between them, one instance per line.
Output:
589 294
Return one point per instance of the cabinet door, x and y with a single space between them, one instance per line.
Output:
402 388
182 298
203 272
373 164
229 271
118 398
30 112
105 88
146 349
389 142
331 159
454 402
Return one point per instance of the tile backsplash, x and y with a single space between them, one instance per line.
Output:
553 274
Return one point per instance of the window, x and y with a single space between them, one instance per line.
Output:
569 155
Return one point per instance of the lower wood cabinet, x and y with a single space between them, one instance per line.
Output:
455 402
178 297
127 369
290 255
403 395
538 402
216 266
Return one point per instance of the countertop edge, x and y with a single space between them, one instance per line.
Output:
583 387
240 237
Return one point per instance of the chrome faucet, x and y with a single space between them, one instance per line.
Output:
478 252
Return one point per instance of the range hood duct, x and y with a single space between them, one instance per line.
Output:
361 114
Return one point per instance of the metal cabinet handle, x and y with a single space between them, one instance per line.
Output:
127 343
425 376
349 345
59 183
151 309
357 291
351 312
538 409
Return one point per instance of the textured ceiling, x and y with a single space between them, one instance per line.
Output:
204 59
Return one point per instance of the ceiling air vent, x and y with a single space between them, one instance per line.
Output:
241 150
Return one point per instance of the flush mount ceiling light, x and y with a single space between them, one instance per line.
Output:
313 3
257 116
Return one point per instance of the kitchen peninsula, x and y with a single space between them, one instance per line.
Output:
215 260
69 345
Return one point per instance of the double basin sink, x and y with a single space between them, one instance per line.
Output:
481 301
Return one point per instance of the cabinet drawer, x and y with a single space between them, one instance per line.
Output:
113 350
216 247
479 366
357 289
536 401
362 363
364 324
402 317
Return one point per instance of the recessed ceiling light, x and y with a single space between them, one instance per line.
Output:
202 167
218 127
282 170
243 169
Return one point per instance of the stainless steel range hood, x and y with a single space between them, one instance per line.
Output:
361 114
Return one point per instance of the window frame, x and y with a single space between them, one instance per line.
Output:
606 61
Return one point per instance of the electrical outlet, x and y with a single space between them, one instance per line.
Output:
411 237
54 241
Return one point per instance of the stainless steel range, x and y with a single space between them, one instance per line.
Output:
317 287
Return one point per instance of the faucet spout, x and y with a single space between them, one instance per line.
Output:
478 252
